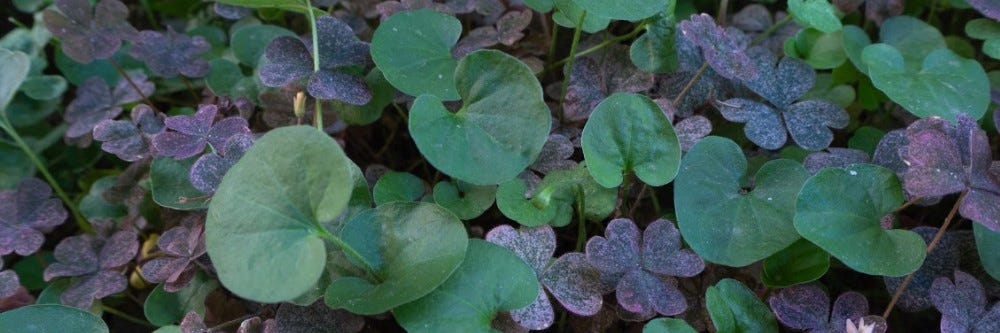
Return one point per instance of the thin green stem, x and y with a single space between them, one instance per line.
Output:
656 202
581 231
690 83
318 117
350 251
315 37
190 88
553 40
638 29
126 316
572 55
772 29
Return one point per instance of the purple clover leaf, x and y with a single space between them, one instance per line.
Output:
691 130
9 282
807 307
573 282
93 261
231 12
193 323
962 303
130 140
834 158
171 53
941 262
390 8
642 268
289 59
988 8
190 133
556 155
86 33
724 49
507 31
207 172
754 19
887 152
945 158
591 81
181 245
25 214
95 102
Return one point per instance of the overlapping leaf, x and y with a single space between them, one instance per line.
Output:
95 102
190 134
556 155
25 214
941 262
131 140
316 318
963 307
9 282
550 200
507 31
86 33
207 172
807 307
93 262
723 49
181 245
591 81
834 158
875 10
170 53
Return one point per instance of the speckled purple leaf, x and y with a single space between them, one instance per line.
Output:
887 151
983 207
87 288
255 325
87 34
804 307
575 284
93 262
989 8
809 123
556 155
670 85
316 318
934 159
691 130
95 101
724 50
510 26
662 253
834 158
850 305
231 12
507 31
643 293
764 125
338 45
207 172
618 252
288 60
328 84
962 304
940 262
25 214
169 54
192 323
478 38
781 83
591 81
9 282
182 245
539 315
191 133
533 245
753 17
130 140
389 8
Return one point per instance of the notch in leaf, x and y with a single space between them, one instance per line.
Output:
190 134
25 214
169 54
86 33
131 140
963 306
93 261
807 307
95 101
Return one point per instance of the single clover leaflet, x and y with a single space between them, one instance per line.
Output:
988 8
130 140
86 33
9 282
207 172
290 59
507 31
25 214
962 303
781 84
95 102
556 155
571 279
725 50
639 263
93 261
591 81
754 19
182 245
807 307
190 133
169 54
692 129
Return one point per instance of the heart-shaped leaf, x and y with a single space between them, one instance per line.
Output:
465 200
840 210
735 308
491 279
51 318
165 308
633 10
413 50
397 186
818 14
263 230
728 217
500 129
654 51
798 263
667 325
628 133
406 264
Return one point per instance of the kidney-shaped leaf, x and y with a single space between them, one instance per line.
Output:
723 216
633 10
51 318
491 279
500 129
413 50
629 133
840 211
412 247
263 228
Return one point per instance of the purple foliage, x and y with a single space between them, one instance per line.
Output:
93 262
887 151
390 8
130 140
989 8
875 10
556 155
590 81
507 31
95 102
691 130
945 158
723 49
193 323
9 282
255 325
181 245
754 19
834 158
289 59
962 303
641 268
87 34
208 170
572 281
190 134
807 307
25 214
171 53
316 318
941 262
231 12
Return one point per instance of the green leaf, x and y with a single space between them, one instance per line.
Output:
728 217
14 68
51 318
568 13
490 280
988 246
526 211
840 211
799 263
987 30
297 6
629 133
14 166
541 6
667 325
30 270
734 308
855 41
95 206
820 50
413 50
913 35
500 129
249 42
397 186
227 79
632 10
382 95
171 186
43 87
945 86
818 14
465 200
165 308
263 229
655 50
555 197
412 247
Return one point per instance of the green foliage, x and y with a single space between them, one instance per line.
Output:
798 263
413 50
14 70
818 14
667 325
734 308
397 186
164 308
988 246
628 10
170 186
51 318
465 200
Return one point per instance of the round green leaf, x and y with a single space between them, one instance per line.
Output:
818 14
855 41
14 68
525 211
249 42
263 229
667 325
15 165
840 210
500 129
568 13
729 218
490 280
413 50
171 186
51 318
820 50
629 133
654 51
734 308
988 246
799 263
43 87
95 206
632 10
165 308
917 38
397 186
945 86
465 200
412 247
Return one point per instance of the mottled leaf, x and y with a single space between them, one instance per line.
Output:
592 80
190 134
130 140
963 307
574 283
207 172
834 158
93 261
724 50
181 245
171 53
940 262
316 318
691 130
809 123
764 125
25 214
95 101
86 33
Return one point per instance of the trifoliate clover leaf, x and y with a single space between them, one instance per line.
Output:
723 49
25 214
93 262
807 307
9 282
181 246
316 318
875 10
507 31
169 54
943 158
556 155
95 101
962 303
86 33
834 158
988 8
941 262
638 266
130 140
591 81
190 133
207 172
290 59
